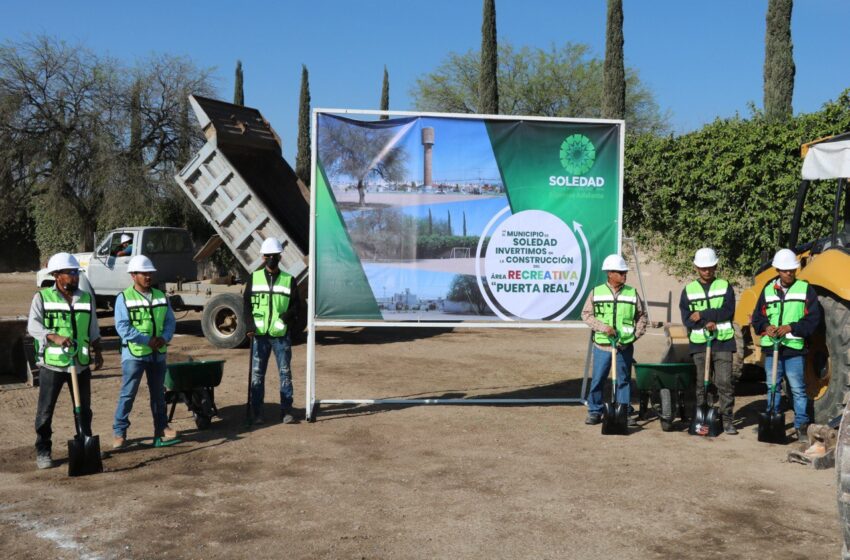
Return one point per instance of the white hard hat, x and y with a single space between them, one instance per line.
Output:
615 262
125 237
271 246
62 261
140 263
705 258
785 259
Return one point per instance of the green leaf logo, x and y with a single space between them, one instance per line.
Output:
577 154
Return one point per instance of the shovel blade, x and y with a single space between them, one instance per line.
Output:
698 422
765 433
84 456
615 419
777 427
712 420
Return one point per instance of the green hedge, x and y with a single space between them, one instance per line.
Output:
731 185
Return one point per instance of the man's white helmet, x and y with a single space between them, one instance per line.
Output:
271 246
705 258
62 261
125 237
140 263
615 263
785 259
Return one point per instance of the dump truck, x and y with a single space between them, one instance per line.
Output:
825 264
241 184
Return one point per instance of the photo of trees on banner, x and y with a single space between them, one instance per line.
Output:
463 219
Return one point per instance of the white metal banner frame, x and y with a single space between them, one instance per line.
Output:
312 322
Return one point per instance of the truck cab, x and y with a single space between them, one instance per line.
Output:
105 269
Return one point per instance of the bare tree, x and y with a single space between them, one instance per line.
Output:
361 150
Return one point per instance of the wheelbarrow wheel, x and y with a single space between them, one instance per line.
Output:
666 409
202 408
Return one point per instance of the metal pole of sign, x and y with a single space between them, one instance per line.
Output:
310 385
631 241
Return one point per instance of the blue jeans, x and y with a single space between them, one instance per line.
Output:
263 346
131 374
793 368
602 371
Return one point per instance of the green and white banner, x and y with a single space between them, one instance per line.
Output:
450 218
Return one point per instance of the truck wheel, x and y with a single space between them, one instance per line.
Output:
222 321
835 370
842 474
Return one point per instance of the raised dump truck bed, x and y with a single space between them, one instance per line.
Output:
242 185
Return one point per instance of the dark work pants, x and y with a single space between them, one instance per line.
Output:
50 384
721 381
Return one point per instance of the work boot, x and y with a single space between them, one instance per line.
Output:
729 427
803 434
119 442
286 416
592 419
632 421
43 460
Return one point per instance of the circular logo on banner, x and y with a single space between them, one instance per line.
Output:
577 154
533 266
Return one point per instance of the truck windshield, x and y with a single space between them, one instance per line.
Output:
159 242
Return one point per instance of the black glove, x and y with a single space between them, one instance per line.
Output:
288 316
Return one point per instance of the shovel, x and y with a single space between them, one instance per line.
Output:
772 423
615 416
84 448
706 421
249 415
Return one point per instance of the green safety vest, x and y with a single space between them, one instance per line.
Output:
615 311
269 302
785 311
147 317
69 321
699 300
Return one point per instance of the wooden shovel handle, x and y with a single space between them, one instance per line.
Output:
75 386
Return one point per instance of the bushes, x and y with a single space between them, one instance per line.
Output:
731 185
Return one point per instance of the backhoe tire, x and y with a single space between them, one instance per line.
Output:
222 322
837 322
842 474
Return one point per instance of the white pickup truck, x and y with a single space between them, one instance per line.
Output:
171 250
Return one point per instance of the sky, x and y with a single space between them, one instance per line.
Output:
702 60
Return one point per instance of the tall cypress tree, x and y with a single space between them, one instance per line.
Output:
464 223
614 70
238 90
385 94
488 89
779 66
449 224
430 223
302 160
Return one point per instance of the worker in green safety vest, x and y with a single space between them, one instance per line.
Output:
271 305
613 310
788 309
145 322
707 306
62 320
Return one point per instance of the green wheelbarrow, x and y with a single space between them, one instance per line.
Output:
666 386
194 383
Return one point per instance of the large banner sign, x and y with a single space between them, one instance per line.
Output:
445 218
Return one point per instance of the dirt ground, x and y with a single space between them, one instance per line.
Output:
469 481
